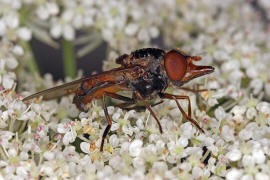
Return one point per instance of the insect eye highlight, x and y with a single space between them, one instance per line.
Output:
175 65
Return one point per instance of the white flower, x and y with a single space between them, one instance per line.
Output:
12 20
238 110
53 8
183 141
11 63
143 35
154 32
115 162
251 113
230 65
62 128
261 176
42 12
24 156
24 33
127 129
85 147
18 50
135 148
256 85
212 102
234 155
78 21
2 28
111 110
187 129
114 141
248 160
185 166
140 124
227 133
125 147
258 156
263 107
252 71
160 145
67 15
115 126
70 133
68 32
247 177
138 163
12 152
21 171
245 134
160 167
197 172
46 170
131 29
49 8
69 137
8 80
234 174
3 163
56 30
116 116
49 155
220 113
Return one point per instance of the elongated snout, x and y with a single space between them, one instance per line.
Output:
194 71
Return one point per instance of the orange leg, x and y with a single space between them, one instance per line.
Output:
108 118
149 109
188 117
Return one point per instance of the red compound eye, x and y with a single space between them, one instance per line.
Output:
175 65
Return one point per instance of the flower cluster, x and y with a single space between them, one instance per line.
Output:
32 140
53 140
240 48
120 23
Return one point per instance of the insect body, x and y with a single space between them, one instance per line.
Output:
145 72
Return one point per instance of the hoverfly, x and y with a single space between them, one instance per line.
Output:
145 72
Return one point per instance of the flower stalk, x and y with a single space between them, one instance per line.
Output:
69 58
2 153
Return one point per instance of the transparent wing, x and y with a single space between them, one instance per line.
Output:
57 91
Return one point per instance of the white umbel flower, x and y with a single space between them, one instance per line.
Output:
135 148
227 133
24 33
258 156
85 147
234 155
234 174
261 176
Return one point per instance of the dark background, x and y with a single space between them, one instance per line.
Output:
50 60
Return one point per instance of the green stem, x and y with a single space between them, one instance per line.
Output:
69 58
31 61
11 124
22 126
2 153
